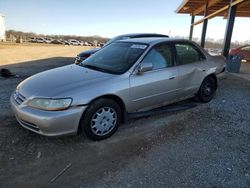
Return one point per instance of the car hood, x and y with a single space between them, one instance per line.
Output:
92 51
61 81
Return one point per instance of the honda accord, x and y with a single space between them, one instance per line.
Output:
127 76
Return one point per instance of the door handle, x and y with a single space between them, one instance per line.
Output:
204 70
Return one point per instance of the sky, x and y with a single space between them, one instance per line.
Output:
109 18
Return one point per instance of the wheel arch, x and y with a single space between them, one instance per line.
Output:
214 78
117 99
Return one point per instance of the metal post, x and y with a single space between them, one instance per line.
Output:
204 28
191 28
229 29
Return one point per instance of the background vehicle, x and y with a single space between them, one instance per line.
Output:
73 42
32 39
47 40
84 55
243 51
57 41
125 77
40 40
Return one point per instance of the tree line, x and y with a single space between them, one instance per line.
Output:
28 35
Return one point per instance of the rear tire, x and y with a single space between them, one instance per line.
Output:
101 119
207 90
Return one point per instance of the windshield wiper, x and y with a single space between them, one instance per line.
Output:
94 67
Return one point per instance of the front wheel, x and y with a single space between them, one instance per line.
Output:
207 90
101 119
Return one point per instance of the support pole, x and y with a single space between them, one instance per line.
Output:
204 28
191 28
229 28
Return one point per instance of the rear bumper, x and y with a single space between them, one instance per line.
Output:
48 123
223 70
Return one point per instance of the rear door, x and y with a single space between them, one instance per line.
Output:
158 86
191 67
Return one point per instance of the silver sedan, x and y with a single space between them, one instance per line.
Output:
127 76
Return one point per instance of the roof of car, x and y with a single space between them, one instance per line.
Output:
153 40
134 35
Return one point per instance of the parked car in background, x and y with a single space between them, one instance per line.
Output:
84 55
57 41
125 77
32 39
91 43
74 42
243 51
214 51
86 44
40 40
47 40
81 43
65 42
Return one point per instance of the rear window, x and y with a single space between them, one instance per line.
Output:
187 54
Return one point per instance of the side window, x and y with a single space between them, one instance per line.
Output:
187 54
160 56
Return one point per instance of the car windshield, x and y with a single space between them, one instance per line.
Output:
115 58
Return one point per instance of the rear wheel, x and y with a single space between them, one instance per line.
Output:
101 119
207 90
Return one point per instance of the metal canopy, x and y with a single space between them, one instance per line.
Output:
197 7
211 8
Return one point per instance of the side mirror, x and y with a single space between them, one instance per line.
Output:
144 67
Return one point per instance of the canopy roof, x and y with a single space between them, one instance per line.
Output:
215 7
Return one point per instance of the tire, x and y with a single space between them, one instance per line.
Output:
207 90
101 119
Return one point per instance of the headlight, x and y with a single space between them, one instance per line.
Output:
50 104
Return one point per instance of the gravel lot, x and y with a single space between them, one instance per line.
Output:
205 146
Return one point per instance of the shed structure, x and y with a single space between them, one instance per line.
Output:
209 9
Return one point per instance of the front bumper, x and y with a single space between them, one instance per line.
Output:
48 123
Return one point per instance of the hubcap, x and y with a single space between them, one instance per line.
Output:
103 121
207 90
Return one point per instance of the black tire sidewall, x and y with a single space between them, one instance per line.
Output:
91 110
200 95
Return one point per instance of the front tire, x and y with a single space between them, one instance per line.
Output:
207 90
101 119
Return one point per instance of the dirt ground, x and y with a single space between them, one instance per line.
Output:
204 146
16 53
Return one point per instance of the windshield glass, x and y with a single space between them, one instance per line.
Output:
116 39
115 58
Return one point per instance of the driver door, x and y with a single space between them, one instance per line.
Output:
158 86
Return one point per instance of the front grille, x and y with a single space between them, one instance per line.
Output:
18 97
